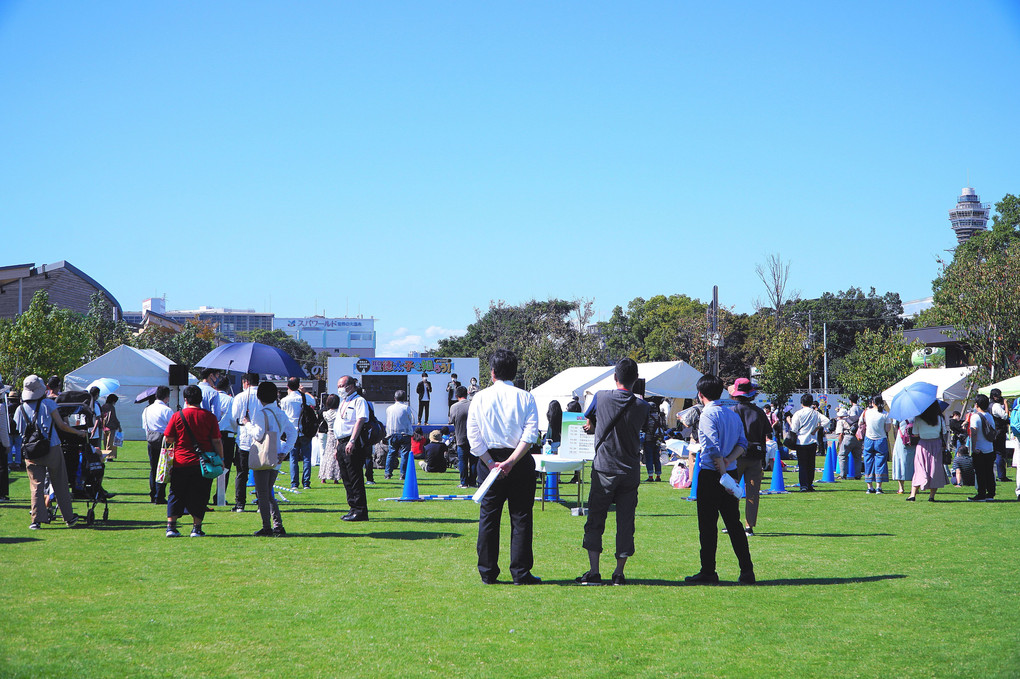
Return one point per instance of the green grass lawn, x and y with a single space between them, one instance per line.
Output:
850 585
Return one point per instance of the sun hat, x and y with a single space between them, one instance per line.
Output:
743 387
841 412
435 436
33 388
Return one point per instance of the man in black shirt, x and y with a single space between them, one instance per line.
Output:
617 417
749 465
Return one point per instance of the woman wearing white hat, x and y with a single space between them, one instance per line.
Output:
41 414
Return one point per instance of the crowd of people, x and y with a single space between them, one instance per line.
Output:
497 429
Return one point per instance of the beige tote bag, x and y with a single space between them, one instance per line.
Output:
262 454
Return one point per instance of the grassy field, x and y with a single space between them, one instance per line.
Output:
850 585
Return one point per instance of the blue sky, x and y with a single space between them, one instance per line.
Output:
413 161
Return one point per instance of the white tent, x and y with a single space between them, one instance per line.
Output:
670 379
564 386
951 383
136 370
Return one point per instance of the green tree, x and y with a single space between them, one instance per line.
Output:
659 329
103 332
780 357
186 347
44 341
979 294
547 336
878 360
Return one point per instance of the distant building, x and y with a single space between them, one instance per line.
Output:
944 337
969 216
227 322
350 336
68 287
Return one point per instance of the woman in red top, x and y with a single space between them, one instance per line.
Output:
418 444
188 488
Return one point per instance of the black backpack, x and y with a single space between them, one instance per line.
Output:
308 422
36 444
374 431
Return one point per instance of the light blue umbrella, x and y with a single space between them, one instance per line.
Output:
913 400
107 385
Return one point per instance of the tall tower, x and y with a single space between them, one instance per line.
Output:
969 216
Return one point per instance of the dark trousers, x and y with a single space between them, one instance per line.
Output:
229 452
423 407
984 473
517 491
352 472
806 464
466 466
240 478
606 489
713 502
653 458
157 491
1002 460
188 490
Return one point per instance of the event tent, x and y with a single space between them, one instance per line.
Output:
564 386
1010 388
951 383
136 370
670 379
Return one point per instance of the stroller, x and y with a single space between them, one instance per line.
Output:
84 463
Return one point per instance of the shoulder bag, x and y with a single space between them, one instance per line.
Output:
612 422
263 454
209 461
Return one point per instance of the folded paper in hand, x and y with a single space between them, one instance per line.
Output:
727 482
486 484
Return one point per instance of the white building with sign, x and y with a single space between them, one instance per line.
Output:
351 336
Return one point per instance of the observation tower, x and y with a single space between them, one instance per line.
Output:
969 216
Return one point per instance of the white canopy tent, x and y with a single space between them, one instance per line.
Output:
669 379
136 370
951 383
564 386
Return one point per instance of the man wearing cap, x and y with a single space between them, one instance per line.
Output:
502 426
750 464
37 410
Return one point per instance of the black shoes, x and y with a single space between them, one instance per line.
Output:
619 579
263 533
279 532
702 578
589 578
529 579
354 517
747 578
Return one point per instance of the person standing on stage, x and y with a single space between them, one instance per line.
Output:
502 426
722 439
424 391
617 416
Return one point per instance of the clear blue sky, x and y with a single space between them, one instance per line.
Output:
413 161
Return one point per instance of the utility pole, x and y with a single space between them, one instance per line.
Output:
714 338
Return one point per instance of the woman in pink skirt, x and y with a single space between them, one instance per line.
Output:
929 473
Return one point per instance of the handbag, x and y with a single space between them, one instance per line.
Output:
263 454
118 439
210 463
165 464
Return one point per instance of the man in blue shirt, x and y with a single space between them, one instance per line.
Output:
721 435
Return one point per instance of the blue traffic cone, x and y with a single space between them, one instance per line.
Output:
694 478
828 472
251 478
743 489
410 481
778 485
552 487
852 464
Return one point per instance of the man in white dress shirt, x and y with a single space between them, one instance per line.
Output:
301 456
350 450
502 426
228 430
245 405
155 417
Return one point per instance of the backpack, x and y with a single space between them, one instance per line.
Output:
374 431
35 443
308 423
988 431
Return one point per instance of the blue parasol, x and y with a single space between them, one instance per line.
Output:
252 357
913 400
